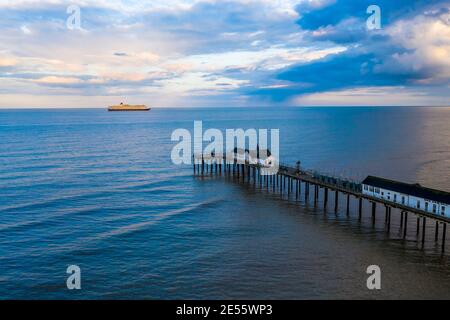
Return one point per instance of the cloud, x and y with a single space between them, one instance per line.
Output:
244 51
272 58
427 53
203 48
53 80
198 83
25 29
133 7
332 12
373 96
400 54
7 62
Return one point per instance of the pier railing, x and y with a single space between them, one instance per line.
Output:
343 183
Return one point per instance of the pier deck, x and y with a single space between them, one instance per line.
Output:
284 180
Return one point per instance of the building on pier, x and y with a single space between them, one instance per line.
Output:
411 195
262 157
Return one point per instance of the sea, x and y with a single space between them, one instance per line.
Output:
99 190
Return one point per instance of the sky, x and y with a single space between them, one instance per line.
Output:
227 53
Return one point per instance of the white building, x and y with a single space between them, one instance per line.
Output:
411 195
261 157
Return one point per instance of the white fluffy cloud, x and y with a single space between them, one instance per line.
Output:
7 61
130 49
280 7
427 37
165 50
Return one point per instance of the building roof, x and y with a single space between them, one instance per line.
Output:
411 189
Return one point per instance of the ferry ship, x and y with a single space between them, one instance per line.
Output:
128 107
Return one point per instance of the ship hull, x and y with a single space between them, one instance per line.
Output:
125 110
128 107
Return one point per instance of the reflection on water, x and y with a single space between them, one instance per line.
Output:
98 190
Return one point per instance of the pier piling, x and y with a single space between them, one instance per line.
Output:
348 204
336 201
423 229
436 231
389 219
444 231
401 219
406 225
374 208
360 208
317 191
306 192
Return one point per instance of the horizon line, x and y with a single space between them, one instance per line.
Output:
236 107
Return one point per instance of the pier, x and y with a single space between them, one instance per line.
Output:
307 186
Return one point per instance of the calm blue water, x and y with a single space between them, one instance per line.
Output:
98 190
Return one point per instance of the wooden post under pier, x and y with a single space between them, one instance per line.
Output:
423 229
203 165
436 231
444 231
374 209
348 203
360 208
300 189
418 225
316 194
336 201
401 219
405 225
389 219
306 191
289 186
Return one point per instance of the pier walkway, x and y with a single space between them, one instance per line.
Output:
292 180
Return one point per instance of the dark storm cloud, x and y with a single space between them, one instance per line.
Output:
373 58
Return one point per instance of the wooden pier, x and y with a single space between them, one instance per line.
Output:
291 180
